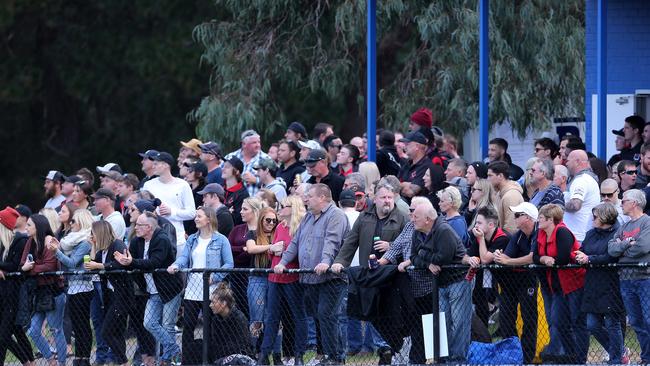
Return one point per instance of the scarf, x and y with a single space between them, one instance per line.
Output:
70 241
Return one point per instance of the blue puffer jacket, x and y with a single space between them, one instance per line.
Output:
218 253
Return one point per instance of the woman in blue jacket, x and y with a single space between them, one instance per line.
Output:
206 248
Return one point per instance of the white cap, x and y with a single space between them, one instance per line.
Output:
106 168
311 144
527 208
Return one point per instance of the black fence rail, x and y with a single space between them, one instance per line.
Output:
531 314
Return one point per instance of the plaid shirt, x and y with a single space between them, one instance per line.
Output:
248 167
421 280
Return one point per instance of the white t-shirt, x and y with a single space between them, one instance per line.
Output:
585 188
178 196
54 202
352 218
117 223
148 277
194 288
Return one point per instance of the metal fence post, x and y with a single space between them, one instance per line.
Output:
436 320
206 318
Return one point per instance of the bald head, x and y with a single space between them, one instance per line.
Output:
609 191
608 185
577 161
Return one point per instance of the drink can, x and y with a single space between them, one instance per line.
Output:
471 273
372 261
298 179
86 258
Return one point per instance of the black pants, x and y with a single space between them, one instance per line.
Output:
191 311
79 310
239 286
21 347
114 327
523 292
423 305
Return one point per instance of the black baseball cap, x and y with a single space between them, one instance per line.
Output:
165 157
618 132
236 163
72 179
315 156
104 193
55 175
211 147
149 154
415 137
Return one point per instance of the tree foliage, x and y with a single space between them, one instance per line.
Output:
267 55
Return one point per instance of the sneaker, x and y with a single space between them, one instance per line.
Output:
625 359
385 356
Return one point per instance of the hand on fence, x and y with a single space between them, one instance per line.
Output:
337 268
402 266
124 259
547 261
501 257
321 268
172 269
91 266
279 268
473 261
434 268
581 257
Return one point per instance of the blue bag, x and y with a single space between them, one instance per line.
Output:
507 351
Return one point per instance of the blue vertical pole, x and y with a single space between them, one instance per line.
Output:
371 78
484 65
601 79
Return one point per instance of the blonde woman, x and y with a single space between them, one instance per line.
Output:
370 171
52 218
70 251
11 249
285 286
481 195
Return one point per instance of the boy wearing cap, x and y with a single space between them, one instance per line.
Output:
295 132
633 131
211 157
522 291
235 190
174 193
147 166
213 197
266 171
53 182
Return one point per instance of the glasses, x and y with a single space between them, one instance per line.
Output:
630 172
519 214
187 165
608 195
538 149
270 220
285 206
411 210
141 225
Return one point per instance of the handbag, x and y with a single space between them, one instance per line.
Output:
43 299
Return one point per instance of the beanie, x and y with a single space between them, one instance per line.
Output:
147 205
8 217
480 168
423 117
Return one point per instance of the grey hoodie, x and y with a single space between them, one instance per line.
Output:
632 251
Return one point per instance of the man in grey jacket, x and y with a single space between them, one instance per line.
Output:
631 244
317 243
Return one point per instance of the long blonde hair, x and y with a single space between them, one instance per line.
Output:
6 238
84 218
52 217
370 172
256 205
486 200
297 212
103 234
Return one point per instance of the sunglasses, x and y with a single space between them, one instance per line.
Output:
270 220
608 195
519 214
187 165
630 172
285 206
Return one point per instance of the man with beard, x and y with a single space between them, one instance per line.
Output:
53 182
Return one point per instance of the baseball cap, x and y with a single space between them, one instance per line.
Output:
23 210
618 132
165 157
104 193
266 163
236 163
55 175
415 137
526 208
149 154
215 188
315 156
200 167
211 147
193 144
311 144
346 198
72 179
108 167
297 127
113 175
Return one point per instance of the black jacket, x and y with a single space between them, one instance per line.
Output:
388 161
10 286
229 335
234 198
121 282
224 221
289 174
379 293
602 292
161 254
441 246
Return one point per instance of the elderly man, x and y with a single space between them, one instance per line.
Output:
542 173
412 174
250 153
316 244
631 244
523 291
583 195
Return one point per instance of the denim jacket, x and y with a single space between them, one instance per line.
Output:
74 262
219 254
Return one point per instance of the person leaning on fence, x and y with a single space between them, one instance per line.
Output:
152 250
206 248
70 251
117 292
316 244
283 299
11 249
556 245
435 244
631 245
519 286
49 299
602 300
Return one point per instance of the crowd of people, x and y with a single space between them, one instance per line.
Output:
375 236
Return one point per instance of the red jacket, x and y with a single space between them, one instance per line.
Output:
282 234
570 279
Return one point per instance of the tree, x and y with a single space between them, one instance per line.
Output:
266 55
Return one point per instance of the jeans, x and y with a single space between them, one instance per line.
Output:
455 301
635 297
55 322
323 302
103 353
290 292
606 328
572 325
159 320
358 340
554 346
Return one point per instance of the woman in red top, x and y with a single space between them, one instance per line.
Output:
556 245
283 288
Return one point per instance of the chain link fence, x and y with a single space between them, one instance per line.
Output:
362 317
